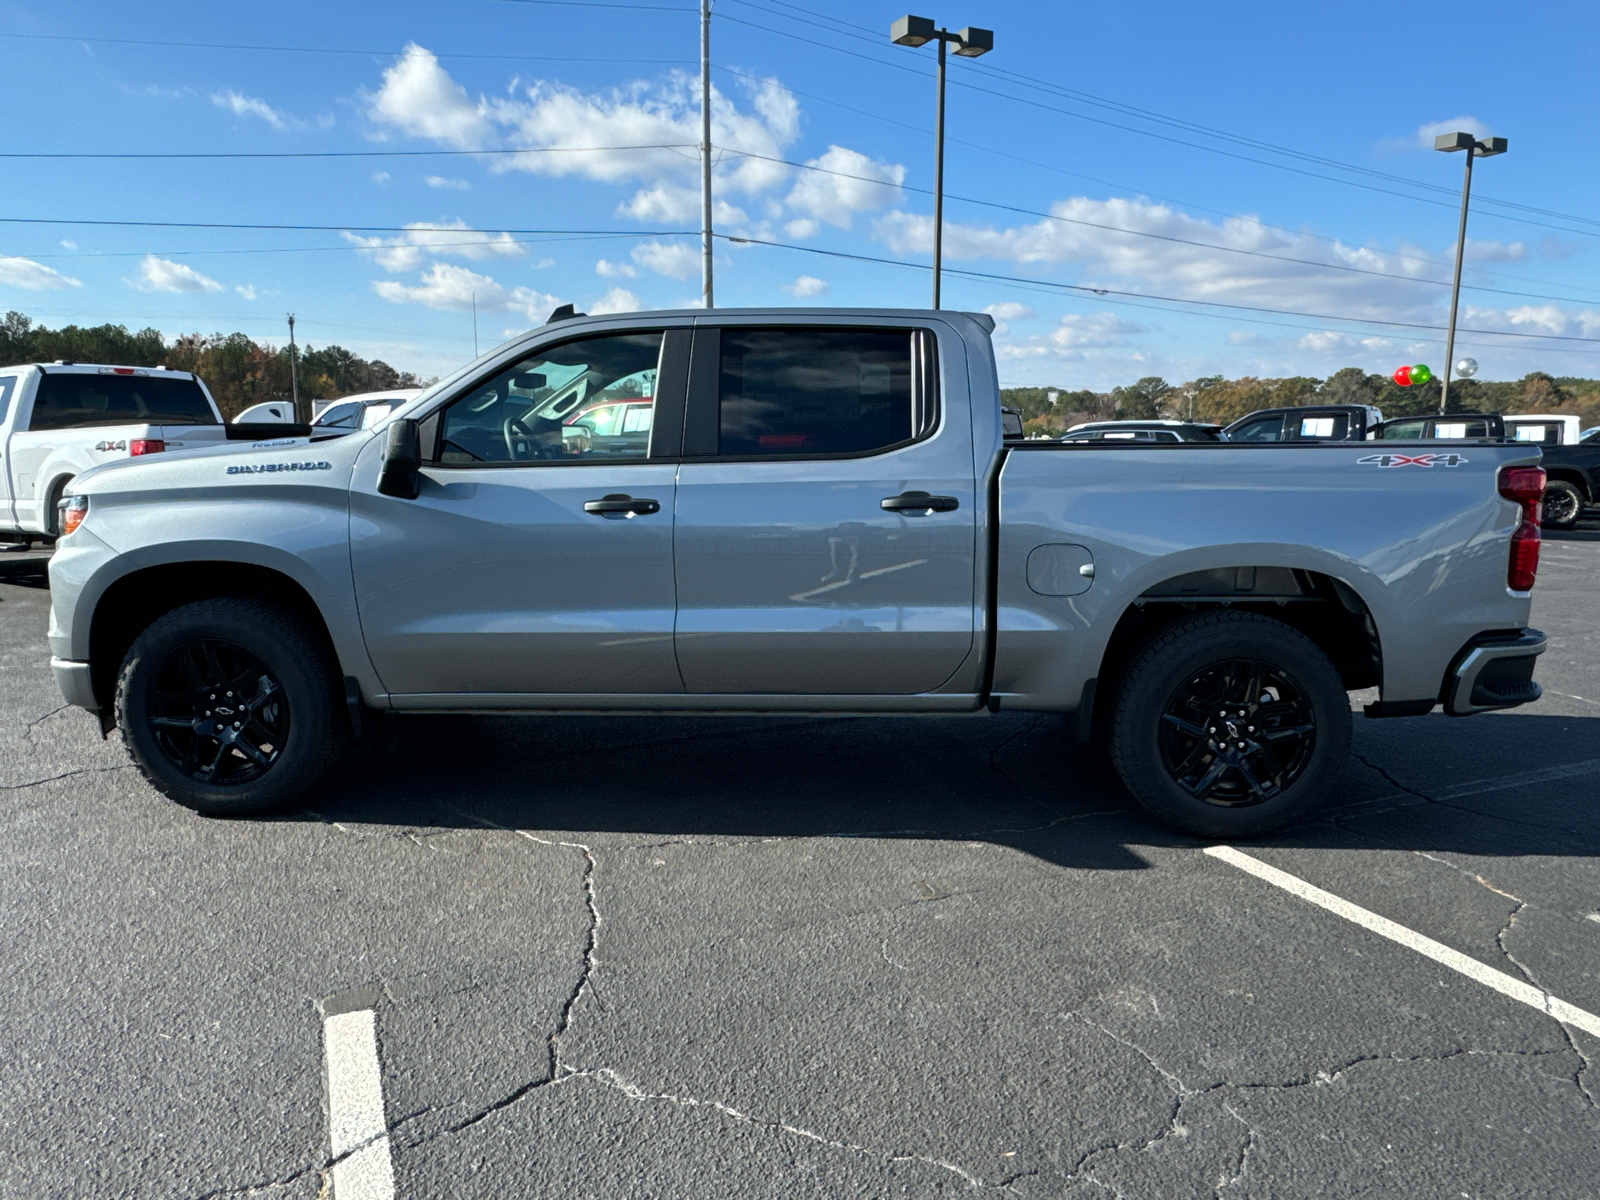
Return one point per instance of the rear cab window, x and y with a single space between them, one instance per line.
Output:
74 400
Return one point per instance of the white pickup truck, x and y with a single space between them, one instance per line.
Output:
57 420
775 510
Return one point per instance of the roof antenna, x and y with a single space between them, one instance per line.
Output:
564 313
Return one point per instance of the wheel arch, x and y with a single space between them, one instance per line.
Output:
1325 608
1574 477
131 602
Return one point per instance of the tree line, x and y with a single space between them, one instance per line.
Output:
1215 398
238 371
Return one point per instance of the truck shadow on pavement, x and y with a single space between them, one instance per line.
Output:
1019 780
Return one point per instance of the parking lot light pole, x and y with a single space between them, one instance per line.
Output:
1475 148
969 43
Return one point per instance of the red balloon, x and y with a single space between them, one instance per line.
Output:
1403 376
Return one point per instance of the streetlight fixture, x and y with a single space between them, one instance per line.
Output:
969 43
1475 148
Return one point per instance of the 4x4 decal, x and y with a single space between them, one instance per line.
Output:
1412 460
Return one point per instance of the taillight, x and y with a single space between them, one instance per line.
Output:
146 446
73 511
1524 486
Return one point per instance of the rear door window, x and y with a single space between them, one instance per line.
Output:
69 400
1402 430
812 392
8 384
1267 429
341 416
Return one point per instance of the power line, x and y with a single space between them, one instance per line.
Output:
486 241
970 86
384 53
321 228
269 154
1082 288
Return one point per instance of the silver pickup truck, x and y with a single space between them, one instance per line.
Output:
790 511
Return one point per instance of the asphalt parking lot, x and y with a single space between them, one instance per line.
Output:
676 957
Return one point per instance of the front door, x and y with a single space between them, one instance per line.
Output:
826 532
538 557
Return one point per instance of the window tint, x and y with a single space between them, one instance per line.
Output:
340 416
1267 429
7 384
73 401
814 391
587 400
1404 430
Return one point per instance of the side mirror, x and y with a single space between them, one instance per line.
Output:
1010 423
401 473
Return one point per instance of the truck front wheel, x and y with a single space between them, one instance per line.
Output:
228 706
1229 724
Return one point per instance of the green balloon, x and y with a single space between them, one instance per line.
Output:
1420 373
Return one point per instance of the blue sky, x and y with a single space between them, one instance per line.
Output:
1176 157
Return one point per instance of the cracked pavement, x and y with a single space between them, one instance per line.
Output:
897 957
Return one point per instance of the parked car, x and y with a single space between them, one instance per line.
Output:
58 420
362 411
1311 423
826 516
1143 431
1455 426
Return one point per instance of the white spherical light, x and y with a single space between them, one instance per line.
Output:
1466 367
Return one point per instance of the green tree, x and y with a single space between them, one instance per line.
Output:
1142 401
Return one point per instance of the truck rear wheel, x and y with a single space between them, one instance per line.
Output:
1230 724
1563 504
228 706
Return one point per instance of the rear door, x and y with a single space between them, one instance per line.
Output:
826 528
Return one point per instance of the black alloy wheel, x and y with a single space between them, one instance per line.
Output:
1563 504
217 713
1237 733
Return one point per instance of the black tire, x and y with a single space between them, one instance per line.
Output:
1276 761
254 747
1563 504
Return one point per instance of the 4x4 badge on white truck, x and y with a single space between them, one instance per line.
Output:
269 468
1412 460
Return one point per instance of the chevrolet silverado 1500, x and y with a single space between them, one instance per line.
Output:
821 514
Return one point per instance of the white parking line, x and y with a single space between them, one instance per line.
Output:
1506 985
362 1169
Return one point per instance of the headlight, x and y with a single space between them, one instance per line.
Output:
73 510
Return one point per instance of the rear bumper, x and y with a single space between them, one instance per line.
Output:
1494 671
73 680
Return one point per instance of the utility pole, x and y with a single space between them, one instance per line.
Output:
938 182
294 370
705 152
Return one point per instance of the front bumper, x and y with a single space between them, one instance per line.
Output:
1494 671
73 680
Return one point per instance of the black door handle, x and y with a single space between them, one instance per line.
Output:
620 504
918 504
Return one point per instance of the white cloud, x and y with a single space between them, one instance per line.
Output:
611 270
807 285
802 227
1243 337
454 288
381 177
247 290
544 264
1004 314
34 276
1426 133
419 98
675 260
617 300
407 251
68 244
1493 252
1076 337
441 181
241 105
857 184
164 275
